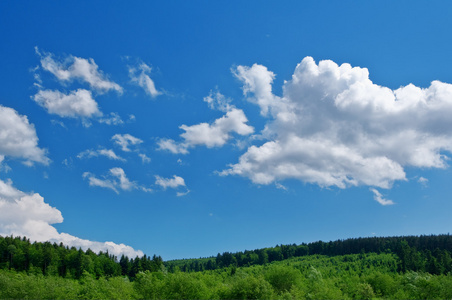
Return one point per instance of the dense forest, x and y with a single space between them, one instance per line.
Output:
407 267
57 260
425 253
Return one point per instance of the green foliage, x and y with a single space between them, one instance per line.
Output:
283 278
244 286
57 260
424 253
418 268
357 276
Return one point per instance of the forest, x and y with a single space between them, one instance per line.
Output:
407 267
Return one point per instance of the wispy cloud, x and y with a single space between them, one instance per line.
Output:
172 146
125 141
144 158
173 183
176 182
423 181
112 119
72 67
140 75
116 180
379 198
100 152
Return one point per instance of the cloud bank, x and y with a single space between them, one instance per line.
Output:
23 214
334 127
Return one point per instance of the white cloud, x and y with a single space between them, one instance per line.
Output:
257 80
211 135
173 183
68 162
125 140
423 181
82 69
23 214
114 119
115 180
76 104
144 158
132 118
140 76
218 101
280 186
172 146
379 198
124 183
18 138
3 166
100 152
59 123
334 127
104 183
181 194
218 133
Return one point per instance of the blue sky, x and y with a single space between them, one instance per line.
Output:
188 128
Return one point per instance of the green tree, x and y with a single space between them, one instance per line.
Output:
11 251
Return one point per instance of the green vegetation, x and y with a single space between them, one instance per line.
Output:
403 268
57 260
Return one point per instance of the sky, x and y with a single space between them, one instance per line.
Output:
191 128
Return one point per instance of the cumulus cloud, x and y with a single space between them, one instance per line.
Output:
76 104
217 133
140 76
23 214
211 135
257 80
125 141
110 154
18 138
379 198
334 127
72 67
173 183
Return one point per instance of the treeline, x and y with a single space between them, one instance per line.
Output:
429 253
58 260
